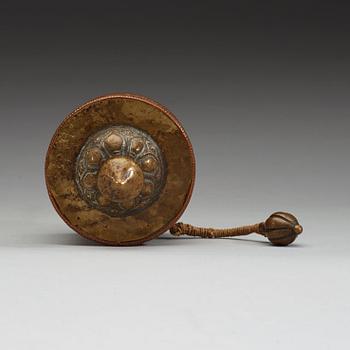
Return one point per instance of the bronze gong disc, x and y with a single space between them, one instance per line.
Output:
120 169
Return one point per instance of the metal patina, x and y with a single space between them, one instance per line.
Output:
120 169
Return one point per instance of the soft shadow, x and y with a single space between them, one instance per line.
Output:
29 239
249 241
244 240
53 238
74 239
266 243
67 238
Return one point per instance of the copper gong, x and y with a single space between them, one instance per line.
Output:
120 169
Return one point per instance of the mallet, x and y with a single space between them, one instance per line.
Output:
280 228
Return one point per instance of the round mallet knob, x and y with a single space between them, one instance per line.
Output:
282 228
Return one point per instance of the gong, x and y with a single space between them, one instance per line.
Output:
120 170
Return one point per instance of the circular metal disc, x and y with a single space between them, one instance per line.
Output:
69 180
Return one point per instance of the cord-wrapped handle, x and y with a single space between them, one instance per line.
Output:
280 228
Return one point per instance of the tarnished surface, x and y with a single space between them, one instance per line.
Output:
120 170
72 134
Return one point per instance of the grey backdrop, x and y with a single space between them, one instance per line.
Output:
263 92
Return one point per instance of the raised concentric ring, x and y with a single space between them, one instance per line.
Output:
165 177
